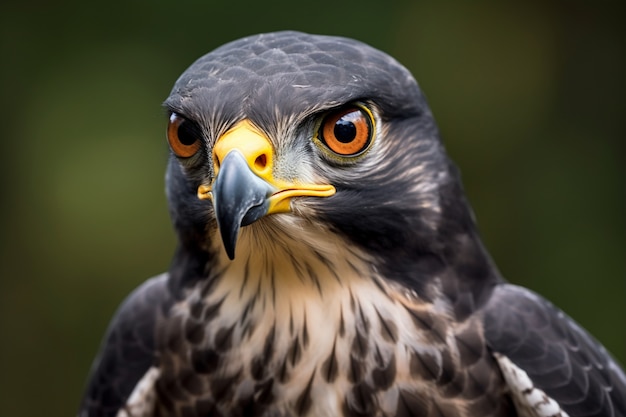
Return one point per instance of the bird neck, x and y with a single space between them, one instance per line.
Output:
287 257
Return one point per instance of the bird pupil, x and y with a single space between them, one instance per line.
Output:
345 131
186 134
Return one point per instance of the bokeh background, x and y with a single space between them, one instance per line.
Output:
529 97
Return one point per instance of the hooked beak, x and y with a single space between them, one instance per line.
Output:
244 189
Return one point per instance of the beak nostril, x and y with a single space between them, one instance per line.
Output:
260 162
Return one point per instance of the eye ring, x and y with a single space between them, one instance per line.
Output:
348 131
183 136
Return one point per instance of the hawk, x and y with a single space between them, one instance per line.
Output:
328 263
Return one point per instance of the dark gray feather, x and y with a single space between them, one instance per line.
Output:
127 351
560 357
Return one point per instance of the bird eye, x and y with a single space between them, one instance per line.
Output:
182 136
348 131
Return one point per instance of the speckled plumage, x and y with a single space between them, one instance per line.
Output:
379 300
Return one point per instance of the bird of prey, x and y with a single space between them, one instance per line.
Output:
328 263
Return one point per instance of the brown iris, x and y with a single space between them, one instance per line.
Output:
182 136
347 132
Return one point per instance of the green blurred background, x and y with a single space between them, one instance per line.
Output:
529 98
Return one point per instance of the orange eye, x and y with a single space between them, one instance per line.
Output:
347 132
183 136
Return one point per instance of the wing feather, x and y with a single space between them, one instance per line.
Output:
560 357
127 351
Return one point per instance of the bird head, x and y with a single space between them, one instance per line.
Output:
288 132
